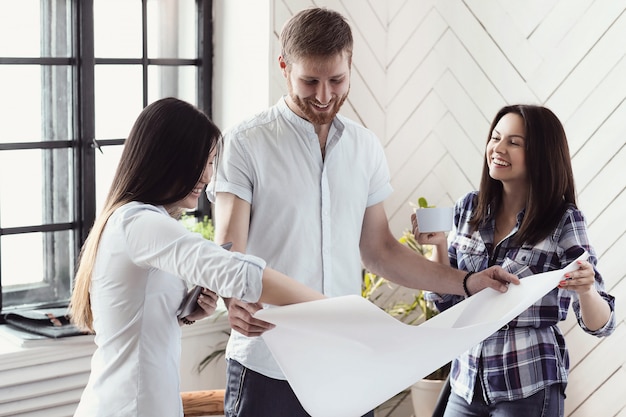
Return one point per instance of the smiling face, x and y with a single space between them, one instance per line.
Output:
318 86
190 202
506 151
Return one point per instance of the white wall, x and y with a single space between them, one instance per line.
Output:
428 76
241 59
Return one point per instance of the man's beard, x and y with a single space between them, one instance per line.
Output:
305 106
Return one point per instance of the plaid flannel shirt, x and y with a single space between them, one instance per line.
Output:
529 353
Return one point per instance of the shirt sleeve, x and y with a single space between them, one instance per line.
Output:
233 173
380 181
574 241
155 240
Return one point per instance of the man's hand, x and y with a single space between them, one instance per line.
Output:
241 320
494 277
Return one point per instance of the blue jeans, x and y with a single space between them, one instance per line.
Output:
250 394
545 403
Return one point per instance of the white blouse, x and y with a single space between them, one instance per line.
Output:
138 283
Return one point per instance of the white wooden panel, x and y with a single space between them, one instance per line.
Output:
382 10
365 105
606 187
482 48
46 386
402 106
462 151
369 31
579 343
507 35
576 44
605 98
604 228
590 72
366 60
601 147
403 23
454 182
401 147
295 6
415 50
393 8
607 400
555 24
42 404
596 369
423 161
622 413
473 79
527 14
469 116
611 266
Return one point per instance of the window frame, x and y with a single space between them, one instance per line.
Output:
82 144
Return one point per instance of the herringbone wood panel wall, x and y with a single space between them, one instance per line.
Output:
429 75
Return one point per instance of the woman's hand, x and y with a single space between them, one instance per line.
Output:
595 311
433 238
582 280
207 303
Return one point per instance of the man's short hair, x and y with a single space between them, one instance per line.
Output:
317 32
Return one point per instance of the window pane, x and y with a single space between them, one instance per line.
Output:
47 274
106 164
21 95
172 29
118 90
42 32
117 28
16 249
35 187
20 20
168 81
28 91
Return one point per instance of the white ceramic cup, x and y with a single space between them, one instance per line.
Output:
434 219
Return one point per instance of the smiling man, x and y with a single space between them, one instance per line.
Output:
303 188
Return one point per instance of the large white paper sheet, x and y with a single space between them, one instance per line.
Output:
344 356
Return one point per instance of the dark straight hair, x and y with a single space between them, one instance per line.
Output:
163 159
549 168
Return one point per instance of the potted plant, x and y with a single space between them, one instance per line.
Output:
410 307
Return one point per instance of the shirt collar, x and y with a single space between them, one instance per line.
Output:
336 128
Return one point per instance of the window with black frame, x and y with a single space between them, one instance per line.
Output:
74 75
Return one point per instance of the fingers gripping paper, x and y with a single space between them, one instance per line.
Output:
344 356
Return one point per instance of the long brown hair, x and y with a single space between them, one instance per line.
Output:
549 168
162 161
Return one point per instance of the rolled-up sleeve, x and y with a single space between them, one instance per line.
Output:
156 240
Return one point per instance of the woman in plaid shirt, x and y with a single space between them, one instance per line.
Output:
525 219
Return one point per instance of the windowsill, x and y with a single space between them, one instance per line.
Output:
49 378
14 354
